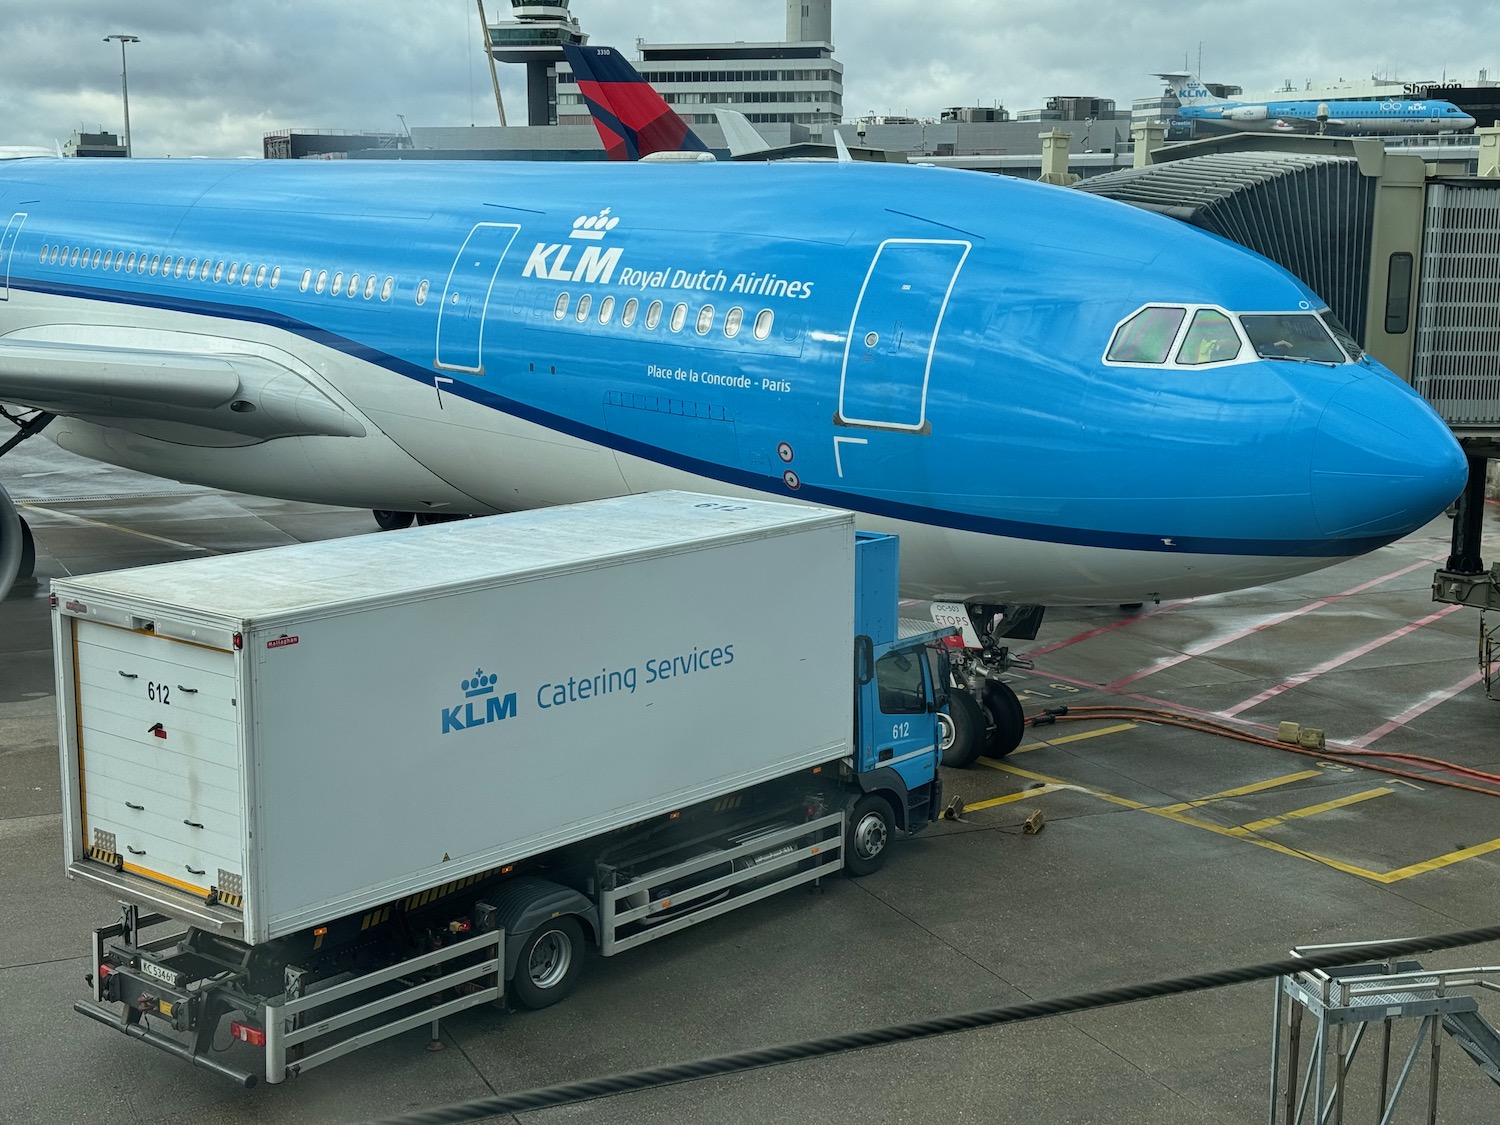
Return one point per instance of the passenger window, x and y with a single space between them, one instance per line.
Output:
306 280
353 285
705 320
338 283
422 288
192 271
275 277
42 260
585 303
732 321
606 310
679 317
1210 338
387 287
98 255
53 260
1147 336
74 261
155 262
627 315
898 676
130 263
560 306
370 286
653 314
322 282
109 258
260 277
763 321
180 267
140 266
219 272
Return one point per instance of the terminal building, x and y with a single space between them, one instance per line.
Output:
795 82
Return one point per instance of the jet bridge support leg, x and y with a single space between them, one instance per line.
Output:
1468 524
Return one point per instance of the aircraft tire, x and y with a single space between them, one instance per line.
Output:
28 553
392 521
968 724
1006 715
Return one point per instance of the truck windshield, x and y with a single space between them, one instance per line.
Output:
1293 336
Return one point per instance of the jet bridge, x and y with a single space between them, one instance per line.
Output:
1403 242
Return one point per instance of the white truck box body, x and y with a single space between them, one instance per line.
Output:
409 709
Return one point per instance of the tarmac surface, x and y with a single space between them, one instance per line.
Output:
1164 851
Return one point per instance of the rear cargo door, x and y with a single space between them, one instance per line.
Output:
159 757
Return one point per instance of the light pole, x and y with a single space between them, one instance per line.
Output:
124 83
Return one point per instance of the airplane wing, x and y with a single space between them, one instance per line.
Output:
246 396
632 118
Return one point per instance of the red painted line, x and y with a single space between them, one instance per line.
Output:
1418 709
1337 662
1101 630
1277 619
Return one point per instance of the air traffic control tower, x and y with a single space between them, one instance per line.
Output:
535 37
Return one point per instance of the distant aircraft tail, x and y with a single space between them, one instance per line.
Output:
1188 90
632 118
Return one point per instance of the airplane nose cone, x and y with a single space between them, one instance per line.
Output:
1383 462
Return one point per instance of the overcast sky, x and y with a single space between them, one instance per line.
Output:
211 76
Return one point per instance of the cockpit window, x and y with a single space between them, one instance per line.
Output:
1343 336
1147 336
1210 338
1296 336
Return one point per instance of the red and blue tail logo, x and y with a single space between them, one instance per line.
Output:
632 119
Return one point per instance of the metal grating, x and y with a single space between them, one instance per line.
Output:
1310 213
1456 364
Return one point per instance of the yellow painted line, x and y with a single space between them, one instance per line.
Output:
1440 861
1040 745
69 516
1314 810
1245 832
1021 796
1245 790
1060 784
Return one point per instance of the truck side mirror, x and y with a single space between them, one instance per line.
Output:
864 660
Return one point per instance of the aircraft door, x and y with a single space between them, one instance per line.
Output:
466 297
892 339
7 245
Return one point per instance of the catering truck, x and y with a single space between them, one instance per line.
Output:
383 779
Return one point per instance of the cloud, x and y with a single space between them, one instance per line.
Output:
210 77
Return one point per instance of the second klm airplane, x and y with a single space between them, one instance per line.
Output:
1052 397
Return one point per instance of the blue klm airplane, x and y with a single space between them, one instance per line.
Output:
1391 115
1051 397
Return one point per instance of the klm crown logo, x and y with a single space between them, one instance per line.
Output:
594 228
474 713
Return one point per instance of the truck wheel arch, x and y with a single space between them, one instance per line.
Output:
523 904
889 784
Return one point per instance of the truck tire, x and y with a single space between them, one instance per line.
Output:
968 730
550 963
871 829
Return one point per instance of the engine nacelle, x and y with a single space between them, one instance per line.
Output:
1245 113
12 543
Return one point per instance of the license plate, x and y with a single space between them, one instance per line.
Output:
161 973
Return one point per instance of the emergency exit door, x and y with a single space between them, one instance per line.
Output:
466 297
894 334
7 247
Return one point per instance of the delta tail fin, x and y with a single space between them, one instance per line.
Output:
1188 90
632 118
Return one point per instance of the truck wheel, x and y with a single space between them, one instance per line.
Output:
871 828
550 963
392 521
963 731
1005 712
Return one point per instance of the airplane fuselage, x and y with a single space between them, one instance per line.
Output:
1354 116
925 347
